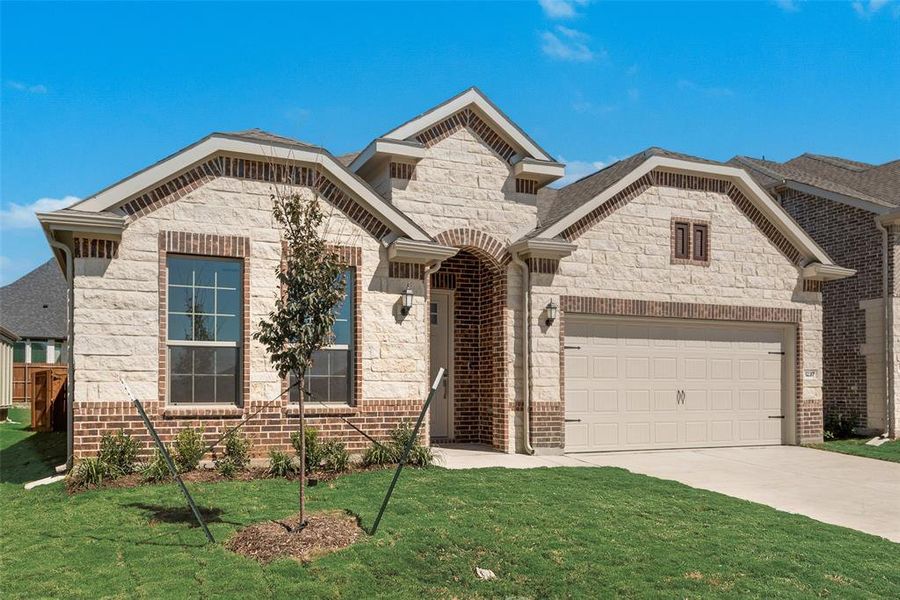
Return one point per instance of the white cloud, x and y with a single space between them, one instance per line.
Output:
21 216
568 44
787 5
576 169
561 9
27 87
713 91
867 10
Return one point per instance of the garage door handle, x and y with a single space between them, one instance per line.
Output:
776 416
573 420
571 347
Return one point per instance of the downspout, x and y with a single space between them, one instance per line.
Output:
526 353
888 333
70 358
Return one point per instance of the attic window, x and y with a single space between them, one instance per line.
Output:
526 186
400 170
690 242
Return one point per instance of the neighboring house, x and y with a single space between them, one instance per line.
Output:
34 308
665 301
851 209
7 339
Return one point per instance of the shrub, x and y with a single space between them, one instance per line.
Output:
314 448
378 455
838 427
88 472
281 464
384 454
156 469
188 449
419 455
118 453
235 456
335 458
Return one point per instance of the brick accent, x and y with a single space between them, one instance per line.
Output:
542 265
95 248
813 285
690 260
808 424
469 119
402 170
850 238
480 349
255 170
526 186
668 179
199 244
477 241
399 270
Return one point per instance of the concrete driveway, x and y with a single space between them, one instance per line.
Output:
860 493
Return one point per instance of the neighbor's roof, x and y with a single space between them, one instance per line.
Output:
34 306
875 184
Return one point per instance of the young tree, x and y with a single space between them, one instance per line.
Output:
311 286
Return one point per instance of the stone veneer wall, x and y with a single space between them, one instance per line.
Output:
117 328
627 255
850 238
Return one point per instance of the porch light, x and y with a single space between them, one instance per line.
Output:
552 310
407 299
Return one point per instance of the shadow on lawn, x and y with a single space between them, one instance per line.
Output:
32 457
181 514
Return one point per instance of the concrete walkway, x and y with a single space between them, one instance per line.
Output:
855 492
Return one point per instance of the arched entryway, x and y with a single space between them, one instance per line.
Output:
467 317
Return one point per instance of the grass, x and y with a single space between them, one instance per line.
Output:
889 451
545 533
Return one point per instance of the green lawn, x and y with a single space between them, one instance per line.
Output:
887 451
545 533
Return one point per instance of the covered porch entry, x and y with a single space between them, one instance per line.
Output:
466 310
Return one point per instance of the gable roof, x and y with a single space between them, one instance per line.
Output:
876 187
470 97
578 199
252 142
34 306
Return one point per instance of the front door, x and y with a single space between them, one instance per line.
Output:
441 318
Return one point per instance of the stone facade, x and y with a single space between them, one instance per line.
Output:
464 194
627 255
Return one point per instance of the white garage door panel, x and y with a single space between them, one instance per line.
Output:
622 382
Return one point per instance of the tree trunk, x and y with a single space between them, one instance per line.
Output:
301 385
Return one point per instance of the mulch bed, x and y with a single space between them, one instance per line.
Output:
324 533
213 476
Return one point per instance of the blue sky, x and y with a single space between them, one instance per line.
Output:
94 92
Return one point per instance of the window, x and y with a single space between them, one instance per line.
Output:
204 329
682 239
329 378
38 352
699 242
19 352
690 242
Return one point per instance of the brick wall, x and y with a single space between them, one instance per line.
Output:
849 236
479 368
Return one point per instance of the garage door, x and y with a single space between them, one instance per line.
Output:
634 385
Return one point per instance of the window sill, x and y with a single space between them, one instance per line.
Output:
315 409
203 410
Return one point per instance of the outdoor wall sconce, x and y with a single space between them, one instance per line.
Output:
552 310
407 299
